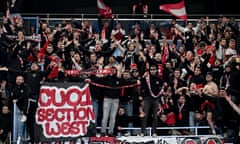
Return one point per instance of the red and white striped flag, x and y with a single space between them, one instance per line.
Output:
103 9
177 9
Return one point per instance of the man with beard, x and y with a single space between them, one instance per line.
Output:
151 88
19 93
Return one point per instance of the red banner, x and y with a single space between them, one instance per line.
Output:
104 140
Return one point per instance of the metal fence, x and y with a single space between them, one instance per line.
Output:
127 20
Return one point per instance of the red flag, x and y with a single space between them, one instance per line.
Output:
103 9
177 9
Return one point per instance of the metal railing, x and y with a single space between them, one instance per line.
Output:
191 17
149 129
52 18
19 132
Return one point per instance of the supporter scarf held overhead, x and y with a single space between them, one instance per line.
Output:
177 9
103 9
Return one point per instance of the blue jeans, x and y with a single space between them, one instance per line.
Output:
110 108
192 122
21 130
95 103
129 110
128 107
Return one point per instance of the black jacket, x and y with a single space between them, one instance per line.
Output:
155 83
33 79
21 93
5 125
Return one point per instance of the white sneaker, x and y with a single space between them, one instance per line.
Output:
127 134
154 135
24 118
18 140
142 134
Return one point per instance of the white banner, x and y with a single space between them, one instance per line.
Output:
173 139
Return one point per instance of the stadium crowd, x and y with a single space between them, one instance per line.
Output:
194 83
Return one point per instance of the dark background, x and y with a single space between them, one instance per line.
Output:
125 6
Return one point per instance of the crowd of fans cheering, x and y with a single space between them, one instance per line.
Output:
189 84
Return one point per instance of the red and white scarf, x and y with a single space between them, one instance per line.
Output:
150 89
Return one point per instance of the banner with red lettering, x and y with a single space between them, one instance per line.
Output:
64 112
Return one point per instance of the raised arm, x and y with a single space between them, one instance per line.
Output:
233 105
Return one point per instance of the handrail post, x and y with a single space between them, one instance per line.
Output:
117 17
14 122
48 15
37 24
82 16
196 132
